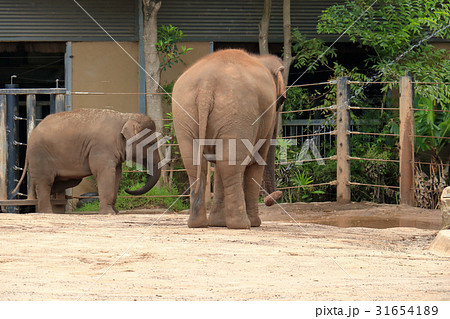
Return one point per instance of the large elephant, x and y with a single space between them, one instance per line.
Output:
233 98
67 146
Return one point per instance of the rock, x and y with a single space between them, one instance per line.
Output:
441 244
272 198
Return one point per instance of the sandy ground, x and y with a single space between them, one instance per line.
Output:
149 256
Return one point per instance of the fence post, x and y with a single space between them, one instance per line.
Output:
343 191
4 148
406 141
31 123
59 103
12 110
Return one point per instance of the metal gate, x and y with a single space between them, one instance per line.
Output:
20 111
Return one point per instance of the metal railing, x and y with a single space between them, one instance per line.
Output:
11 118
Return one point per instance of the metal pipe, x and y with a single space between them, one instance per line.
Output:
12 104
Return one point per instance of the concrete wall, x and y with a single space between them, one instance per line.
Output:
200 49
105 67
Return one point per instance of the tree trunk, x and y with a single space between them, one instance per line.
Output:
154 107
287 57
153 74
263 27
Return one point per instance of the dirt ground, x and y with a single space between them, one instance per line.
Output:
148 255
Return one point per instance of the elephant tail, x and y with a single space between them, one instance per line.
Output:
205 104
24 172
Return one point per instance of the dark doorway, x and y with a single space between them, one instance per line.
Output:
36 64
30 65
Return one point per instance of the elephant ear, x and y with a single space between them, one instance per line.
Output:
130 129
281 88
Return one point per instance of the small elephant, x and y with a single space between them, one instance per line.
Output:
233 98
67 146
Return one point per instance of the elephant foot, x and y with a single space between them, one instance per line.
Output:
110 210
239 222
197 222
217 219
46 211
255 221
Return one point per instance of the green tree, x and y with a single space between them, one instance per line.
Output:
398 32
397 35
169 53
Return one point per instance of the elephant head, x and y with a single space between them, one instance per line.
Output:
276 68
138 134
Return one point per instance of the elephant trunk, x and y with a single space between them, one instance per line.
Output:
269 182
151 180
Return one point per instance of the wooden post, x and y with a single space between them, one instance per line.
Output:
3 149
343 191
31 123
406 141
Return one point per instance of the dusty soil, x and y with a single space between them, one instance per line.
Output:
154 256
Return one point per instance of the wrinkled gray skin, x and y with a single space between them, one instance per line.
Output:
225 93
67 146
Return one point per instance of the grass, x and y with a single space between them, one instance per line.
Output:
89 207
129 203
142 202
133 179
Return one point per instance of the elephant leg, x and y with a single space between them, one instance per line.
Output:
217 214
252 181
197 216
235 212
106 181
117 185
32 194
43 190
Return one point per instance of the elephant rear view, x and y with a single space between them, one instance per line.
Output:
225 110
67 146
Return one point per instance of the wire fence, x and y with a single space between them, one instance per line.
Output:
334 140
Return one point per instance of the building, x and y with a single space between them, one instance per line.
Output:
96 46
42 41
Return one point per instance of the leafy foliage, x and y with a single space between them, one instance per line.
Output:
398 32
291 174
309 52
168 37
428 123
